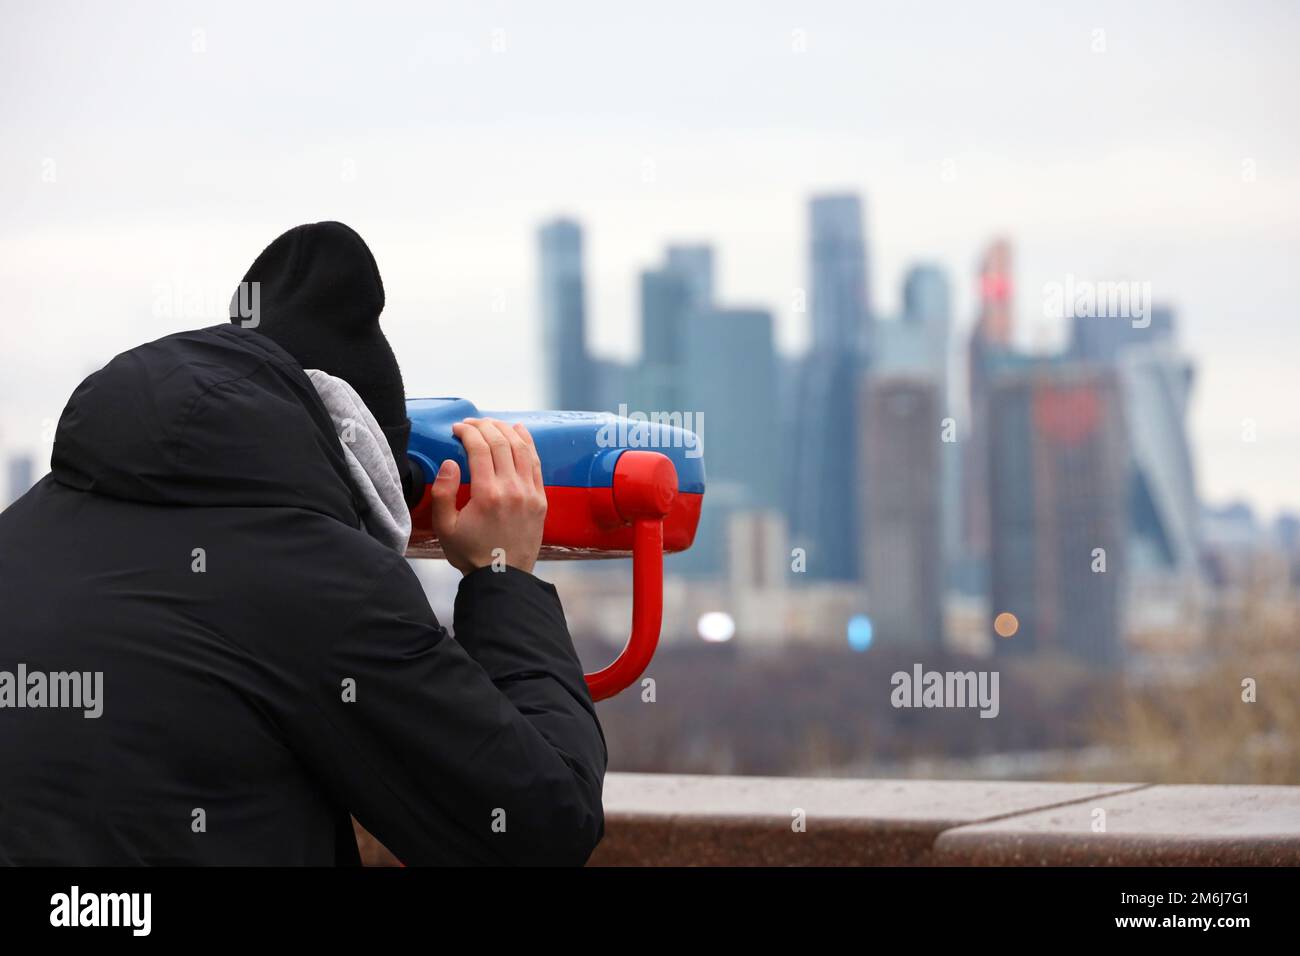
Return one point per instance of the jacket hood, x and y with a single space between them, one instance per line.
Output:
208 418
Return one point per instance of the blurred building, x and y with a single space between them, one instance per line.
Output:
1251 569
823 490
665 314
674 297
920 343
1103 338
1058 487
732 391
22 475
758 572
1157 384
902 527
996 320
614 384
694 263
568 371
1286 531
989 351
1233 536
732 374
927 305
759 555
1165 511
838 265
1286 534
1164 547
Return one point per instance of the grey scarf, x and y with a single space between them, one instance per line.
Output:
370 460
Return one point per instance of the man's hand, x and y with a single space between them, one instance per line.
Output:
507 505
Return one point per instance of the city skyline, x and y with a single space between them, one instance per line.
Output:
694 262
562 247
1062 493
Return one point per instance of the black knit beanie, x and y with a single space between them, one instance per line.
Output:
319 298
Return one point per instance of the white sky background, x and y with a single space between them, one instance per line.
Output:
173 169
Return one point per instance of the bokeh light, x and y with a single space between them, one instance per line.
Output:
716 627
860 632
1006 624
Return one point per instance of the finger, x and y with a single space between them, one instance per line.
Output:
503 459
535 465
443 495
481 468
522 454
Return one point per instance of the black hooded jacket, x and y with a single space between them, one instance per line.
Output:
267 668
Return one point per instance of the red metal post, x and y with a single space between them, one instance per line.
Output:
645 483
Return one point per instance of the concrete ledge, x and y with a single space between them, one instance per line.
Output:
670 820
1154 826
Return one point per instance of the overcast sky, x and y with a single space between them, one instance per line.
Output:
149 151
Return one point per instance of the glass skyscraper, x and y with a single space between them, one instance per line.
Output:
1058 469
732 383
901 469
674 298
568 371
824 491
840 290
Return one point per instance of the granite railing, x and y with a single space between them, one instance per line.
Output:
657 819
678 820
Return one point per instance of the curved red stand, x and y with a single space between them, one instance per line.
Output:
645 484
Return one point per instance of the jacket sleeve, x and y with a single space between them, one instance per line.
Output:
480 750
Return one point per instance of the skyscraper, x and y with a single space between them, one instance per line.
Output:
990 349
825 493
22 475
823 488
674 297
1165 510
759 558
838 265
994 324
664 324
902 527
614 384
918 341
1165 544
1059 504
731 376
926 298
732 384
1099 338
927 307
569 374
694 264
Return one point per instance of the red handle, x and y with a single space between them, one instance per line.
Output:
645 484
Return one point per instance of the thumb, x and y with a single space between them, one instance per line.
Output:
443 495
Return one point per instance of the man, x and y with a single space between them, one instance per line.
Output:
212 568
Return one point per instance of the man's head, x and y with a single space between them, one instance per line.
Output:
318 297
